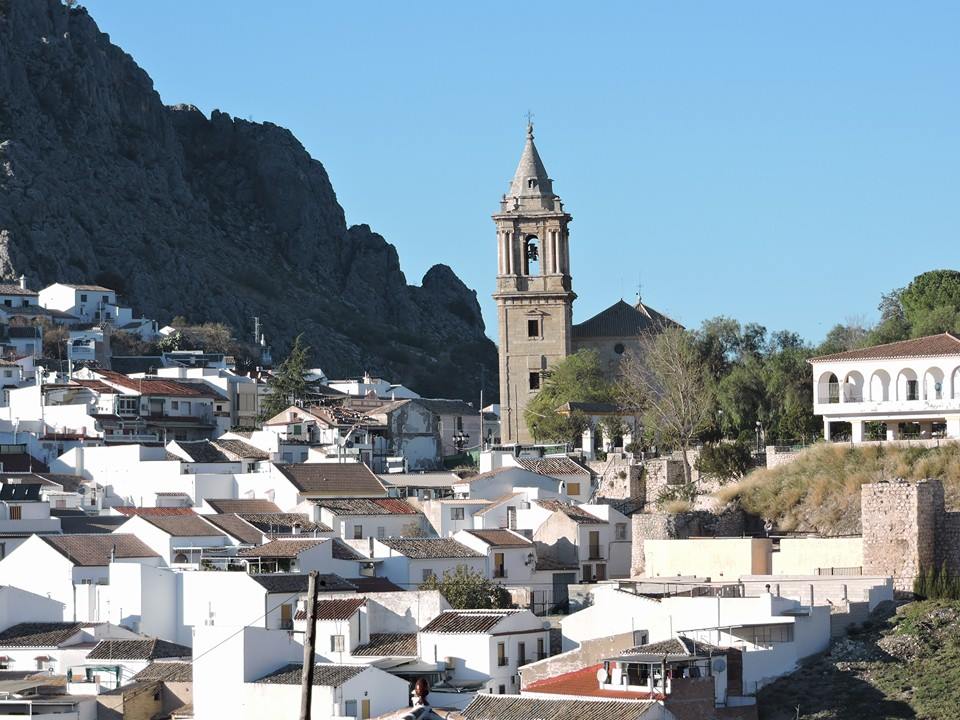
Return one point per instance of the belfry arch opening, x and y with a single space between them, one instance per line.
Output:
531 255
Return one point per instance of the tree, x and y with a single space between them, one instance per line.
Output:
576 378
668 384
288 385
466 589
931 302
724 461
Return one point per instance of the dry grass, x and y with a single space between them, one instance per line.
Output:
820 490
677 506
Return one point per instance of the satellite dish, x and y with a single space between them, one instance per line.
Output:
719 665
602 676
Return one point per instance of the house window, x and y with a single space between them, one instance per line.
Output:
83 297
499 567
174 405
913 390
15 512
358 532
8 303
297 429
502 655
587 573
251 467
621 530
640 637
336 643
456 513
350 708
8 373
521 654
503 690
106 299
540 649
535 380
381 532
533 328
427 574
459 423
573 488
288 457
4 663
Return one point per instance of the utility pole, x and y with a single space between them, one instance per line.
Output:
309 648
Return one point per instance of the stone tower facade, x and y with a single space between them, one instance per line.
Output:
534 289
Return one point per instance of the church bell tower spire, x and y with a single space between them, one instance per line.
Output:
534 288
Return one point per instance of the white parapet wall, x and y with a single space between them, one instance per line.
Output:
714 558
818 556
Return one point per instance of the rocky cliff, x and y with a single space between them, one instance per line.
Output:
216 219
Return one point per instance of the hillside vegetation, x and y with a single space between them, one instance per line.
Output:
905 666
820 490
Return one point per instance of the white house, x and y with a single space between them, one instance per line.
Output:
410 561
23 511
254 673
54 647
13 295
908 389
773 633
90 303
484 649
73 566
115 662
359 518
178 539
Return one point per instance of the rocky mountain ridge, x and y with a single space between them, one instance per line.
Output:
215 219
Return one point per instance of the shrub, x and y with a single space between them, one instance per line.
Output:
724 461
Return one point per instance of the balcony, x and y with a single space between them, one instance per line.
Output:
499 573
503 661
596 553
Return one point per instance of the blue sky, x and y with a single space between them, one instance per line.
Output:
778 164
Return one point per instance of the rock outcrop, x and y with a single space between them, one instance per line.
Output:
216 219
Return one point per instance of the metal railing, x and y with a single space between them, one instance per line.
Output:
503 661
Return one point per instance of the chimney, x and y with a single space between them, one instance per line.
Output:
23 282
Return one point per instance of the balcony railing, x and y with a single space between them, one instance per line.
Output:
596 553
286 624
499 572
503 661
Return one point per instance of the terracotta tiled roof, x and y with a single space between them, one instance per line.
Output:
166 671
929 346
429 548
501 538
130 511
342 551
368 585
183 525
574 512
323 674
97 385
623 320
285 548
241 449
553 466
334 480
467 621
514 707
236 527
202 451
281 523
157 386
583 683
39 634
297 582
91 288
15 289
243 505
94 550
146 649
340 609
677 648
368 506
386 644
498 502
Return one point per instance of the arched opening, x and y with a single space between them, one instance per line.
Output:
908 388
828 388
933 384
880 386
955 383
181 558
853 387
531 256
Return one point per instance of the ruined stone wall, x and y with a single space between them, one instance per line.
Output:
900 529
619 477
657 474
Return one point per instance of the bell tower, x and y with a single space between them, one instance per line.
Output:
534 290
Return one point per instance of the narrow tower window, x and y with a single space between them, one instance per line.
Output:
535 380
531 256
533 328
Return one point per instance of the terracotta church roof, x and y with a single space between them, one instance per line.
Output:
623 320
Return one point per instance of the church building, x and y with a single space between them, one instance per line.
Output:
535 296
